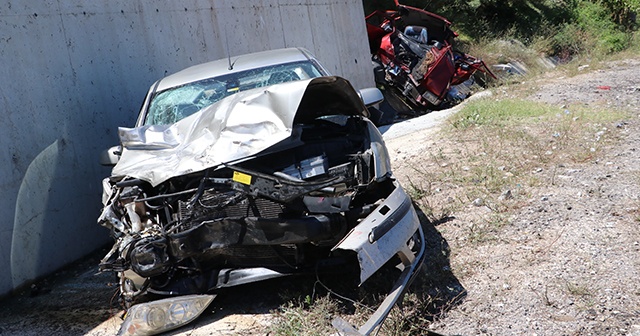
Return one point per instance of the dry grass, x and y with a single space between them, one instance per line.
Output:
493 151
486 161
306 317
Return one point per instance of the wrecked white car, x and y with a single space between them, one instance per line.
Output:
265 183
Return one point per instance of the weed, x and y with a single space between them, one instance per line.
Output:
544 296
504 144
481 233
306 317
577 290
416 192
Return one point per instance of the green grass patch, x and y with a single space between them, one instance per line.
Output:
497 113
495 151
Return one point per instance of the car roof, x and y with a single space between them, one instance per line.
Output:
240 63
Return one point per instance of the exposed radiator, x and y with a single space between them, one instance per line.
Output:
213 204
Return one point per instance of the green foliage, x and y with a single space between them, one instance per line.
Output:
372 5
570 40
597 20
558 27
622 11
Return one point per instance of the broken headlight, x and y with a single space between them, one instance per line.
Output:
162 315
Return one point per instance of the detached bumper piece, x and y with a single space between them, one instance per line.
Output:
375 240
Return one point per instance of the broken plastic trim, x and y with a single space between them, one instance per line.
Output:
412 265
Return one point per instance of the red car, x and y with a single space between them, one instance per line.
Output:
414 59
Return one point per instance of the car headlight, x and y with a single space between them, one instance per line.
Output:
154 317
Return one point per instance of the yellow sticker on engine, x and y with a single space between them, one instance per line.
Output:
242 178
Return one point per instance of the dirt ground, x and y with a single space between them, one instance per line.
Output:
569 261
567 264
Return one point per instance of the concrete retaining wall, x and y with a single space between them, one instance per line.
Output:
72 71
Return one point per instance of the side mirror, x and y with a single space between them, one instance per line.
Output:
371 96
111 156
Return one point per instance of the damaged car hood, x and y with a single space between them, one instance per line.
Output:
234 128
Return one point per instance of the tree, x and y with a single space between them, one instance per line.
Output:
623 12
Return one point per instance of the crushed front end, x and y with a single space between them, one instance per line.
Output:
299 188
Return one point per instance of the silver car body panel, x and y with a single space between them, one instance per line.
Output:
411 263
382 164
236 127
235 277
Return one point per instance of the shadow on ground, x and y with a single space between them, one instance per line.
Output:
258 307
73 301
436 290
80 301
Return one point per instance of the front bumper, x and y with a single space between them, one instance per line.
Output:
393 229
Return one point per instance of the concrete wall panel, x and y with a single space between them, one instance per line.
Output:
293 18
72 71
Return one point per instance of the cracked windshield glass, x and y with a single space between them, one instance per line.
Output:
172 105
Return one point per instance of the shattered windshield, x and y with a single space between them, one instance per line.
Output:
174 104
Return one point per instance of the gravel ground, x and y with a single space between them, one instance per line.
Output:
569 263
